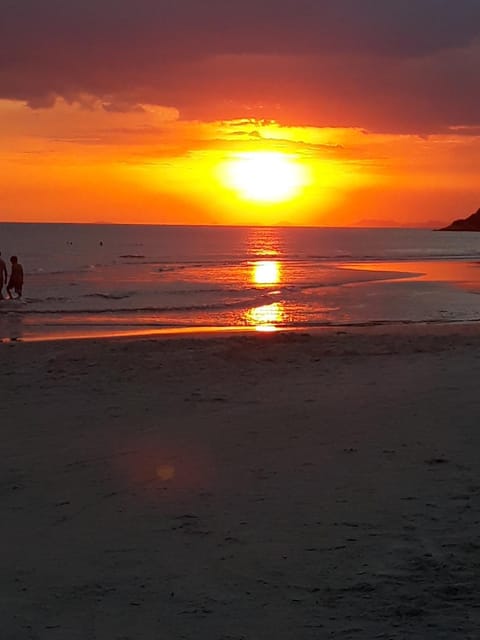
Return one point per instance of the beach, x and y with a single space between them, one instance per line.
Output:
273 485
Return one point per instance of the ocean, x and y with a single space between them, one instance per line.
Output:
96 280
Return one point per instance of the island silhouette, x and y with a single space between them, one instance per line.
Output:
472 223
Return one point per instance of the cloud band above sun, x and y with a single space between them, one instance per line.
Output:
391 66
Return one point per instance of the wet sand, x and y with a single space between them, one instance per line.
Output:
243 487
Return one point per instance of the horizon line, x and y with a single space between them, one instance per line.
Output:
430 225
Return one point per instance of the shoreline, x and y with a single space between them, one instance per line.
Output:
426 327
432 292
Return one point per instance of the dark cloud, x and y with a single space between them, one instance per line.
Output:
382 64
122 107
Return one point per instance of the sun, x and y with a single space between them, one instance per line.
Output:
263 176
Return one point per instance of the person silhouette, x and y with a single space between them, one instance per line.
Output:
16 278
3 275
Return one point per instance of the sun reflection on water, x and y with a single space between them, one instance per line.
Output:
265 317
266 272
265 242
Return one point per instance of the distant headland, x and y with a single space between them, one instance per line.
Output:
472 223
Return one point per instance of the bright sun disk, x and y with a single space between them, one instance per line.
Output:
264 176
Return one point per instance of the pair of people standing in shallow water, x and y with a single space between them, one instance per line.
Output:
15 281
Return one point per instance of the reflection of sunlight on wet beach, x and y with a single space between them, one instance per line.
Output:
11 325
266 317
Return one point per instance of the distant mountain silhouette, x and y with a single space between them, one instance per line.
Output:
383 223
472 223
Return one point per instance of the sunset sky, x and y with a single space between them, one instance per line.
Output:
353 112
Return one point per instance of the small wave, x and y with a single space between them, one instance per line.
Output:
237 304
399 255
196 291
133 256
39 271
330 257
108 296
48 299
170 268
380 323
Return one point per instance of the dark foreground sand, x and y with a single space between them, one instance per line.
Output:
257 487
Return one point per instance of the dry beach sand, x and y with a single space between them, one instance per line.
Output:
245 487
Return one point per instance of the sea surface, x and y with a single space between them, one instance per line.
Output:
83 280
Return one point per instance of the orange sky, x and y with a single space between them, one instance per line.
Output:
69 163
134 111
